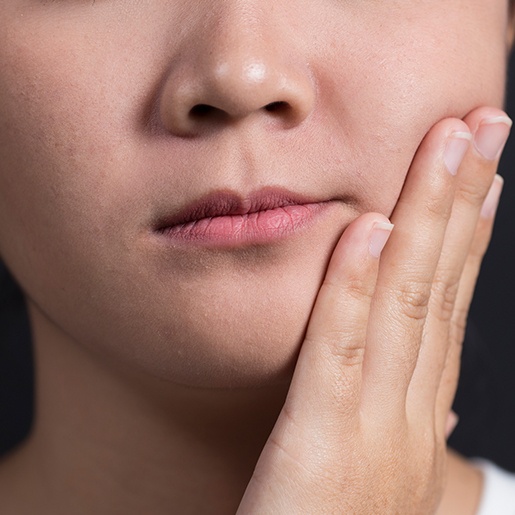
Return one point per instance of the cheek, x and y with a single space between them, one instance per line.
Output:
56 149
424 71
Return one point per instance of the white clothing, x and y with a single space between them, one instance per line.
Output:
498 496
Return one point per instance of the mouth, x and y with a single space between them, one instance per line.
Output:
225 219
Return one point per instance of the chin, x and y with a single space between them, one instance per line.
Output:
229 345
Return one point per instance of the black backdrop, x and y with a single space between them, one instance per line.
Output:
486 395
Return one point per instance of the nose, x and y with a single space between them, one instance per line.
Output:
235 67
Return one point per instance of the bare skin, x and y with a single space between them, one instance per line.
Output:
358 355
327 451
166 372
463 487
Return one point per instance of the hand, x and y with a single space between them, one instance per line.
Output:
363 426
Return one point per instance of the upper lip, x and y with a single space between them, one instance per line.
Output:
230 203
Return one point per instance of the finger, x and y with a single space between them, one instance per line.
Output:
468 280
327 378
408 265
322 402
491 129
475 257
474 180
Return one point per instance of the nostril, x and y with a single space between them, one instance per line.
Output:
202 110
277 107
209 113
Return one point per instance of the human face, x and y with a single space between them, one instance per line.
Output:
104 134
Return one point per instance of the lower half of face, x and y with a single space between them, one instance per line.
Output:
173 180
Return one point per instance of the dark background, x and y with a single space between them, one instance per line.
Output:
486 395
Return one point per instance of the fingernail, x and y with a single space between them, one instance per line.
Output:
452 422
380 234
491 136
492 198
457 146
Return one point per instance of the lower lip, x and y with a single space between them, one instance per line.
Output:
261 227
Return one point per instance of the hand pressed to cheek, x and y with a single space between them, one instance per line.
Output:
365 389
377 369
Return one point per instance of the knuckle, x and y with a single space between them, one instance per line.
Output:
413 299
357 287
436 205
349 354
443 298
347 349
472 193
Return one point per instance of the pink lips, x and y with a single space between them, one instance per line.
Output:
226 219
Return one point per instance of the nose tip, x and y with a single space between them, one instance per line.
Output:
212 89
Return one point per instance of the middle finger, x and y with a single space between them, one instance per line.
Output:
408 266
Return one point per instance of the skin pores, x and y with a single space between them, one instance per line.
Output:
98 140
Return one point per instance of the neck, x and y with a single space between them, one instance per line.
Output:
111 441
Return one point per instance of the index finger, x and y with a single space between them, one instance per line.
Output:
327 378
